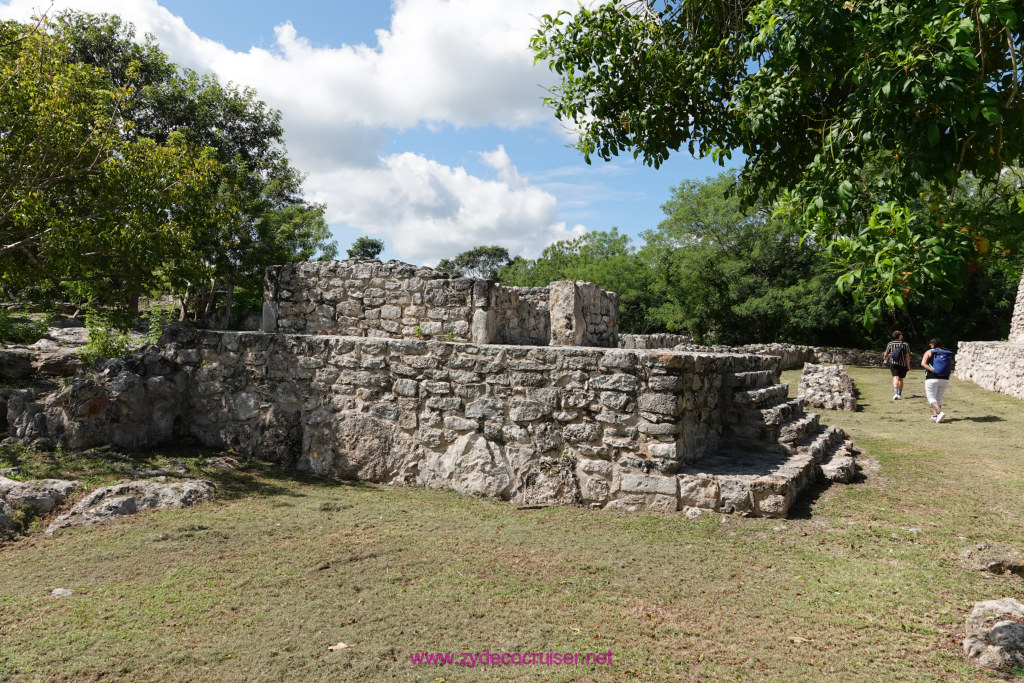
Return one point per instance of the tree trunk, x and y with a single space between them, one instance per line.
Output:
230 302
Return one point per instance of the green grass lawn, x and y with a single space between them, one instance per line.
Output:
863 583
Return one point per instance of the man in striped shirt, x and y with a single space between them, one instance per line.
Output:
897 354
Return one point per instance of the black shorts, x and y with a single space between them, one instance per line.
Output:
898 371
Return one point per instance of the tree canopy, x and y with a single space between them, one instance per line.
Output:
366 247
125 173
728 274
862 122
477 262
81 203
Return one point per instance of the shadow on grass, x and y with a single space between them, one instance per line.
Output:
258 478
803 507
983 418
861 403
102 466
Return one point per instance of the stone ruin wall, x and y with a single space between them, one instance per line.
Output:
791 356
1017 323
997 366
367 298
600 314
532 424
521 315
659 340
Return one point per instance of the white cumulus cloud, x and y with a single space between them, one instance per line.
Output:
440 65
428 211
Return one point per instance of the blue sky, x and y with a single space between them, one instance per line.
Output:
418 121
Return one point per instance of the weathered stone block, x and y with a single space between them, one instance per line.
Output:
460 424
487 408
521 410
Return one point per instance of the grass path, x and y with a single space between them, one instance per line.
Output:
864 583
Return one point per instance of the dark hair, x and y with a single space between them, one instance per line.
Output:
936 342
896 334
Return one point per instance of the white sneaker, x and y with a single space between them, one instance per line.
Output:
938 418
895 396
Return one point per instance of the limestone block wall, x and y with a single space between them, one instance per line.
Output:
367 298
531 424
1017 322
996 366
520 315
582 314
659 340
600 314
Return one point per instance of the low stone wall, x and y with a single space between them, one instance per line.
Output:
652 341
367 298
996 366
1017 322
793 356
531 424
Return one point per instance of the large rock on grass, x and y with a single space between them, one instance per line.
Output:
995 634
42 495
130 497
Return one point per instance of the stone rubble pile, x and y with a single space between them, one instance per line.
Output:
828 387
995 558
44 496
41 496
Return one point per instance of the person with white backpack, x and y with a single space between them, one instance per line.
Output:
939 365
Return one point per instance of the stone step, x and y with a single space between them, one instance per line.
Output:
750 380
839 464
773 415
796 430
819 443
750 483
763 397
761 425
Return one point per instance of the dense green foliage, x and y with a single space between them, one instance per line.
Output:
366 247
477 262
82 203
22 329
604 258
123 174
860 121
737 276
728 275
